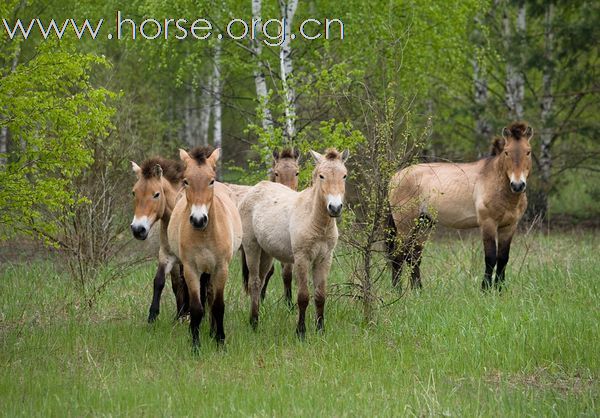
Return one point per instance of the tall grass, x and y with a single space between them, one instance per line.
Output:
447 350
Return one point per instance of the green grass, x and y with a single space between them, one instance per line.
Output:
449 350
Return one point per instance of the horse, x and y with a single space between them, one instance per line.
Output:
489 194
204 233
159 181
285 170
295 227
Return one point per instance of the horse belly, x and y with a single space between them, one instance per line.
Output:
454 213
273 235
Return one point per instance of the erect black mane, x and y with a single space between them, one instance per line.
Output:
172 170
201 154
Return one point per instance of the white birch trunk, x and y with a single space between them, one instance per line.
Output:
217 108
259 71
205 111
547 132
190 116
515 82
483 128
288 10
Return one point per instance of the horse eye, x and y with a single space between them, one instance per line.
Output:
506 153
212 182
528 153
321 176
156 195
133 193
297 174
276 174
345 175
185 182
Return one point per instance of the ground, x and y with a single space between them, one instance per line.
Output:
447 350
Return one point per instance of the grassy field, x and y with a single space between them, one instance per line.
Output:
533 350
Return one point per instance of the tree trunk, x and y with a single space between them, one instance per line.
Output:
205 111
217 109
547 131
288 9
259 72
483 129
515 82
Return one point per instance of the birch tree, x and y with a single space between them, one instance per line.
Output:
217 105
288 10
260 81
515 81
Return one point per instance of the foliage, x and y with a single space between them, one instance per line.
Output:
53 114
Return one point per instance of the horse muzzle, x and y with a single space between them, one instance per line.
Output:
139 232
518 186
199 222
335 211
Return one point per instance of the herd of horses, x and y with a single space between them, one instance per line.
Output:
203 222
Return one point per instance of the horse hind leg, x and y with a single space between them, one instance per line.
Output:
287 275
263 292
180 291
217 311
253 258
422 230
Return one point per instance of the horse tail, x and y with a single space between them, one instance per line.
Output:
245 271
390 236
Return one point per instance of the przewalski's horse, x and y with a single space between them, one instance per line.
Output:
489 194
285 170
155 192
204 233
295 227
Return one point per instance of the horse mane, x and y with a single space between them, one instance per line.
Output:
172 170
497 146
201 154
332 154
517 129
288 153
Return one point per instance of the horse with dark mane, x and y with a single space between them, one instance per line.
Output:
489 194
155 192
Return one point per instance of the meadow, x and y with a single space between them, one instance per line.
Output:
452 350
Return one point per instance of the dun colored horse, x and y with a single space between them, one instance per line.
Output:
285 170
204 233
295 227
489 194
155 192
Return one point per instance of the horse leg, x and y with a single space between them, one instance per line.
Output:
488 233
301 270
504 240
179 290
252 255
320 272
196 307
218 306
286 274
204 288
159 285
420 236
263 292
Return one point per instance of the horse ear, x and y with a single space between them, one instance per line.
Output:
184 156
158 171
529 133
506 133
275 154
497 146
296 154
136 169
214 157
316 156
345 155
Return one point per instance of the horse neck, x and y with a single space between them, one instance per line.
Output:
319 217
170 194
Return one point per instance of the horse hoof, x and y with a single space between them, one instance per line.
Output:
152 317
301 333
196 349
254 323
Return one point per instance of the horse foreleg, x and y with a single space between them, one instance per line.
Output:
180 291
286 274
301 271
252 254
488 233
320 272
159 285
218 305
196 308
504 240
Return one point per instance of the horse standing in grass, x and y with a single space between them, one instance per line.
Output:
204 233
295 227
489 194
285 171
155 192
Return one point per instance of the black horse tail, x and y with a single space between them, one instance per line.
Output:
245 271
